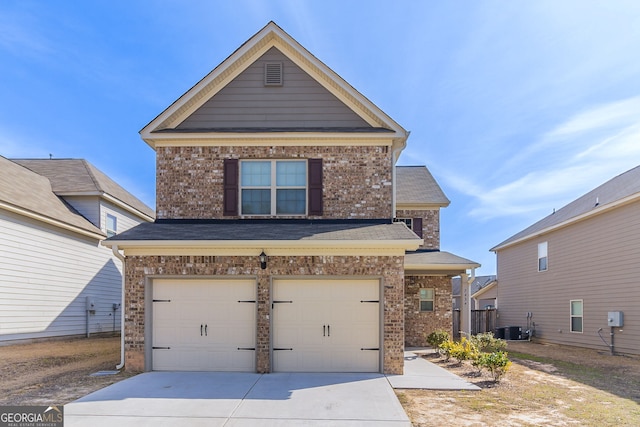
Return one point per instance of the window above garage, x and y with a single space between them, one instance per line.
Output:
273 188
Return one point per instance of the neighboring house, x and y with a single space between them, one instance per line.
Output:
53 216
274 247
484 292
566 273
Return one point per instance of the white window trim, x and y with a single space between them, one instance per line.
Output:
571 316
111 233
433 301
543 254
273 187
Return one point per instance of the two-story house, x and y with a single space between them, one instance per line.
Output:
56 279
571 277
275 246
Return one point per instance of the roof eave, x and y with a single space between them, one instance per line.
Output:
594 212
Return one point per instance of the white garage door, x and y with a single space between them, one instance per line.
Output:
326 325
204 325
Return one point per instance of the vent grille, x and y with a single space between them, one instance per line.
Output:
273 74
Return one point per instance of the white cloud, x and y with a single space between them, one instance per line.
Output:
576 156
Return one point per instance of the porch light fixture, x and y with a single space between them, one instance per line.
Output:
263 260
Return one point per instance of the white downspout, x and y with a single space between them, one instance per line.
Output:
121 257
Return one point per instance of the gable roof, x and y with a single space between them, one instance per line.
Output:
479 283
622 189
26 193
163 127
78 177
416 187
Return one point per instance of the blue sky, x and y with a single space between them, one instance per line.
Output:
517 108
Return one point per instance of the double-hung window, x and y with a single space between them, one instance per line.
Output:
576 315
426 299
273 187
542 256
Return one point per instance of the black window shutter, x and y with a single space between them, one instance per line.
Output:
230 187
315 186
417 226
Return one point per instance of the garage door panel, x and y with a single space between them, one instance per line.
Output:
204 325
326 324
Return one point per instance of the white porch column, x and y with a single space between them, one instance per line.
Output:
465 305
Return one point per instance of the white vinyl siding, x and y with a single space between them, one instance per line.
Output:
46 275
125 220
88 207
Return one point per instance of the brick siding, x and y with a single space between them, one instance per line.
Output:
418 325
391 269
430 225
357 179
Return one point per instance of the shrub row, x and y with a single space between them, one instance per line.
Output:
484 351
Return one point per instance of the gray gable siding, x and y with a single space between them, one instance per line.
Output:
301 102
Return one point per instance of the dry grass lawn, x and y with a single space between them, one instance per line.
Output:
547 385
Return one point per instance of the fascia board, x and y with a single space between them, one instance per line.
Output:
271 138
480 292
408 245
420 206
127 207
594 212
51 221
440 267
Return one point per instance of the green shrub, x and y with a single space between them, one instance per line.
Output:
437 337
497 363
487 343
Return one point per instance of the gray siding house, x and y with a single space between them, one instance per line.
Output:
565 274
53 216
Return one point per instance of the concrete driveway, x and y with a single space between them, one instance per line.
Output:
241 399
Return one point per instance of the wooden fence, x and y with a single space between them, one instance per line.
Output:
481 321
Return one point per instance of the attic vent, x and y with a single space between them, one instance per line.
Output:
273 74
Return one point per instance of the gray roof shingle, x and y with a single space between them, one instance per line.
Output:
416 185
620 187
254 230
24 189
74 176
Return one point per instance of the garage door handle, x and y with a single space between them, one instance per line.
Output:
328 330
205 331
201 330
324 330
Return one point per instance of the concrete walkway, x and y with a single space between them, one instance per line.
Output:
422 374
247 399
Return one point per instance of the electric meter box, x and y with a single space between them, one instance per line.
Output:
615 319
